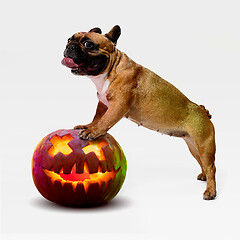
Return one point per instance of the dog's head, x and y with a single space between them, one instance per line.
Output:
89 53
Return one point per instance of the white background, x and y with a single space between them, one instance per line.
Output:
192 44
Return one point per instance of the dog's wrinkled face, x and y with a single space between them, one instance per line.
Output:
89 53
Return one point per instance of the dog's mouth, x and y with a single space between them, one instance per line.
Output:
93 66
68 62
77 69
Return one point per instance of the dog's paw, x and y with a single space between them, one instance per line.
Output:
201 177
81 127
89 134
209 195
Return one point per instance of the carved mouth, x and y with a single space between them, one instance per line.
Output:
84 178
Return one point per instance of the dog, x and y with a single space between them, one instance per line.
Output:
127 89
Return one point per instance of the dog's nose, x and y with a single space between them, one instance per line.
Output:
73 46
72 50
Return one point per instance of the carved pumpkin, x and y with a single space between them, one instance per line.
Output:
72 171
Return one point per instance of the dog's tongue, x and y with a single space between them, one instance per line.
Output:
68 62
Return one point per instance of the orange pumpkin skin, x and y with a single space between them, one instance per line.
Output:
71 171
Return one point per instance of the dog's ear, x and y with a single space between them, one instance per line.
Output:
96 30
114 34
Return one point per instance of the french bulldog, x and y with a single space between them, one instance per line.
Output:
127 89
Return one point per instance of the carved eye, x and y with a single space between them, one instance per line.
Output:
88 45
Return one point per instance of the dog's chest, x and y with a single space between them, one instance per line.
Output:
102 83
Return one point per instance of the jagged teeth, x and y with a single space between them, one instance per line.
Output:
84 183
94 178
63 182
85 168
74 185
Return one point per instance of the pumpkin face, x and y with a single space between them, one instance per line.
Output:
72 171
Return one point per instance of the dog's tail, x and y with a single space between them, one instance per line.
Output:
208 114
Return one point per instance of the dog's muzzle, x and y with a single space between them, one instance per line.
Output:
74 51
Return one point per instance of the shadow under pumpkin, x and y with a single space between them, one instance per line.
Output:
72 171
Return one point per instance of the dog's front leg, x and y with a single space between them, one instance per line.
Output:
101 109
118 107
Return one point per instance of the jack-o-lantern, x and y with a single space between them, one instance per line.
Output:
71 171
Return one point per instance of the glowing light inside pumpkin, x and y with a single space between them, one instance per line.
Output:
73 176
60 144
85 178
96 147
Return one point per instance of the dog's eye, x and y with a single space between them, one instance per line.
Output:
88 45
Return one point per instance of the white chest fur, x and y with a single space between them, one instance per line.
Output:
102 83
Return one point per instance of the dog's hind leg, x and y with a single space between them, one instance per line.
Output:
193 150
201 131
207 154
